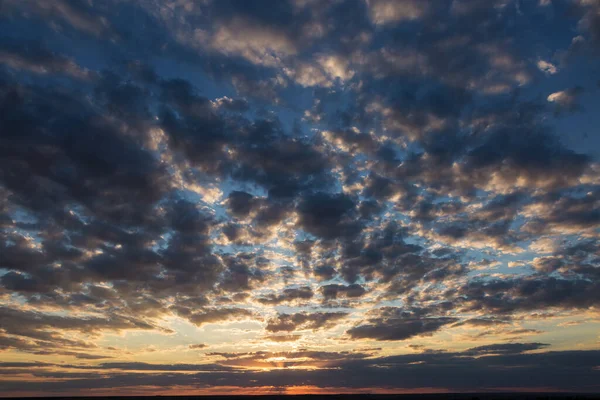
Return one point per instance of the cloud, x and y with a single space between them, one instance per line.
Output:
394 324
508 348
547 67
212 315
45 334
303 320
566 100
455 372
333 291
386 11
257 44
289 294
35 58
528 293
78 16
283 338
313 174
328 216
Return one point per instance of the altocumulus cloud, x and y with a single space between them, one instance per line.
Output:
321 194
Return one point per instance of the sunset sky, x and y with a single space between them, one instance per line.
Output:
300 196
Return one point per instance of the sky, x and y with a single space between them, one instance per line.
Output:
299 196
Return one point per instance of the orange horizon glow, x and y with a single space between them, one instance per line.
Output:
271 390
